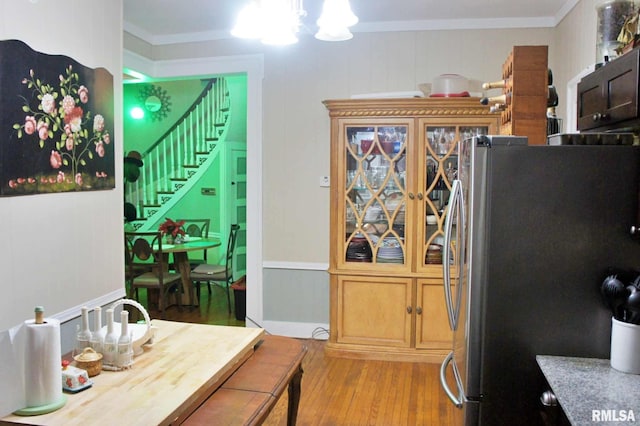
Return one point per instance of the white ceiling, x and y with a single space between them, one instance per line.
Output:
170 21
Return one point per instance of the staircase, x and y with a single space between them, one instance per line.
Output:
175 162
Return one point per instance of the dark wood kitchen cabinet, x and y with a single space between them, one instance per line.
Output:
608 97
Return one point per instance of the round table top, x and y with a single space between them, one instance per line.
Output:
194 243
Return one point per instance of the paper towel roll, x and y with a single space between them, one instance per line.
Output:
43 355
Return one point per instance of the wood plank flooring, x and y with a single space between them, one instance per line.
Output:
338 391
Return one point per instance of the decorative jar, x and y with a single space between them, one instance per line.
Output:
613 16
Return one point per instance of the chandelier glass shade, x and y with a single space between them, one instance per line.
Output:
279 21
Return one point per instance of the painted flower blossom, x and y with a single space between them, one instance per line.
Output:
98 123
68 103
48 103
30 124
55 159
74 119
43 130
78 178
83 94
69 142
100 149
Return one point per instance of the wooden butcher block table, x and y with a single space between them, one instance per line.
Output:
182 368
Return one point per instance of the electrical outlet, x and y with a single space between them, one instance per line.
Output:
324 181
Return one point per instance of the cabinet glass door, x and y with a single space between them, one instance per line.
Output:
375 194
441 162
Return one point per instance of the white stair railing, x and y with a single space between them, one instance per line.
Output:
180 152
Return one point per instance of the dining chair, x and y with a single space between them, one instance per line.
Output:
197 228
147 267
218 274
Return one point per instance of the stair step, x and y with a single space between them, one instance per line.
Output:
185 168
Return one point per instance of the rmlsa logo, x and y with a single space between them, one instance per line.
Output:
612 416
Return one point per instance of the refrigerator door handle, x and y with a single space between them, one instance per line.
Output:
458 401
455 198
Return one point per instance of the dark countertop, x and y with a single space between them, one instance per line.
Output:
588 390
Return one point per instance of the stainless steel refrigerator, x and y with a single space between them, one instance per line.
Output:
532 232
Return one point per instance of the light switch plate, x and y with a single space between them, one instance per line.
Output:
324 181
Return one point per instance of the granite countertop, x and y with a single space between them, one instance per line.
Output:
590 392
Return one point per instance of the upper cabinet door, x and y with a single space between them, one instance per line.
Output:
375 193
438 165
608 97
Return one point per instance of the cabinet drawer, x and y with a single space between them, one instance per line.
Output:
609 96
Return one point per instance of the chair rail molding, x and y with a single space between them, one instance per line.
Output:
304 266
146 69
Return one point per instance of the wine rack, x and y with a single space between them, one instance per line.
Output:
526 73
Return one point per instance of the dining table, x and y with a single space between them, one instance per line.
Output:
181 367
181 262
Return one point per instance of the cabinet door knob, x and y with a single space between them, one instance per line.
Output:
419 310
597 116
409 310
411 196
419 195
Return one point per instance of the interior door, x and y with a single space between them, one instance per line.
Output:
236 206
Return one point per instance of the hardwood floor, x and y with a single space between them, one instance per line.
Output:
337 391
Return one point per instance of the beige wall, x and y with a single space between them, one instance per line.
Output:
575 46
295 123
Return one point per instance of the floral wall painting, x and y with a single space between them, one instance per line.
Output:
56 123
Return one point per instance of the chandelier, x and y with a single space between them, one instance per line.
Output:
278 21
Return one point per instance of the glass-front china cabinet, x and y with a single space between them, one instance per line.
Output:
393 162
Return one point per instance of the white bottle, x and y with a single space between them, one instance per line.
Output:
97 336
125 348
83 337
110 345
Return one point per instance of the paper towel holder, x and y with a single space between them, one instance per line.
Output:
35 410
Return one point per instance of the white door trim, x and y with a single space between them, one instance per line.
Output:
253 66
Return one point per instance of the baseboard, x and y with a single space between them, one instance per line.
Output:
300 330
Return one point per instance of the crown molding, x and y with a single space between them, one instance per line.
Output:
372 27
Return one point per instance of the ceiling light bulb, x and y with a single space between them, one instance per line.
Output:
249 23
281 22
337 14
334 34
